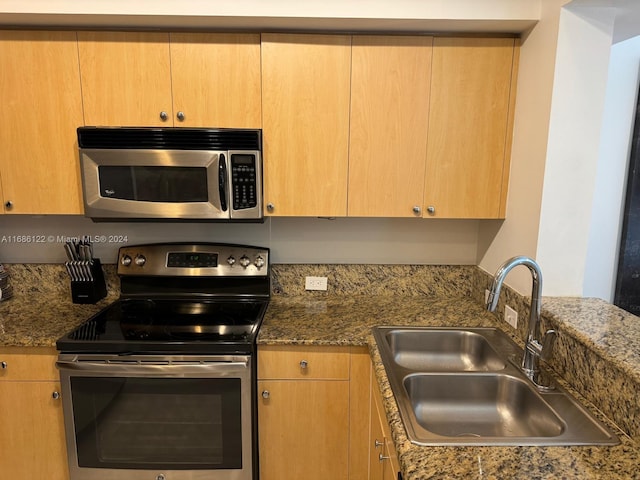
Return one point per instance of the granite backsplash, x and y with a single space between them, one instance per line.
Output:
598 346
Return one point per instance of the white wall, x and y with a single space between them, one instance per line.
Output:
518 234
567 187
354 15
574 143
611 177
39 239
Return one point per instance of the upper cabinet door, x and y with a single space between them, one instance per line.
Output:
40 91
472 96
390 82
216 80
306 98
126 78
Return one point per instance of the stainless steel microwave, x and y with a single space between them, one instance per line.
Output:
197 174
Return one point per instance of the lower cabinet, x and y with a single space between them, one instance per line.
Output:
312 412
32 428
383 460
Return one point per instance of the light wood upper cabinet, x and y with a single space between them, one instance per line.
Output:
126 78
305 104
216 79
177 79
32 433
390 83
40 93
470 123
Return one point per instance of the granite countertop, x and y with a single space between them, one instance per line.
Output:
347 321
38 320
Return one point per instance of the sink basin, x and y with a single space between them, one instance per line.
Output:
480 406
463 386
443 350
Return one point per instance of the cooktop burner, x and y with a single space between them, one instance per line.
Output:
206 307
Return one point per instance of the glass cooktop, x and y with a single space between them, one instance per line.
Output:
172 325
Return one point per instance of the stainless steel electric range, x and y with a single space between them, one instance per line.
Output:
161 384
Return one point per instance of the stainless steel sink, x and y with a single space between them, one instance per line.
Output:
462 387
449 350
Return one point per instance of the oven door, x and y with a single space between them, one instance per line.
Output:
146 417
147 184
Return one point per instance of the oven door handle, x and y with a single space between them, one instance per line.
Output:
220 368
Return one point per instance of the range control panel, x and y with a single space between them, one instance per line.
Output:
193 259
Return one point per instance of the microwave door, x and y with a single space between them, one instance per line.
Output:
152 184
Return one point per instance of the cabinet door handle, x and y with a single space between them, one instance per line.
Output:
271 207
382 458
3 365
431 209
304 364
180 116
8 204
55 395
377 443
164 116
266 394
417 210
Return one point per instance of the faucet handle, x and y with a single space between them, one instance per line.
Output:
548 341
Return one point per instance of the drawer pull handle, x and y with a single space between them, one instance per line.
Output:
304 364
4 365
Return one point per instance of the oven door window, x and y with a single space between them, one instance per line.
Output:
170 423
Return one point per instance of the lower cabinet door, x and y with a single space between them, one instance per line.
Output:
32 431
303 429
376 445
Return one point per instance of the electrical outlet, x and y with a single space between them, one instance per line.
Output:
315 283
511 316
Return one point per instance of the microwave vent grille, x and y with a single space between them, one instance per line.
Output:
170 138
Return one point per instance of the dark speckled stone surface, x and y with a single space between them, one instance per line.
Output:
41 310
597 352
347 320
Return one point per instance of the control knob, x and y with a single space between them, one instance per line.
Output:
259 262
231 260
126 260
140 260
244 261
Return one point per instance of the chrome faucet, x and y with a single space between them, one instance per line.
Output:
535 348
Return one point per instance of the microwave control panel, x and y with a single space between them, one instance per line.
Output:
244 182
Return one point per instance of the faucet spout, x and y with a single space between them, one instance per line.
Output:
535 347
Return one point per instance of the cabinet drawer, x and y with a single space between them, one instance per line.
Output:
303 362
28 363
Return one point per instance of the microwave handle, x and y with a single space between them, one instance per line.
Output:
222 182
